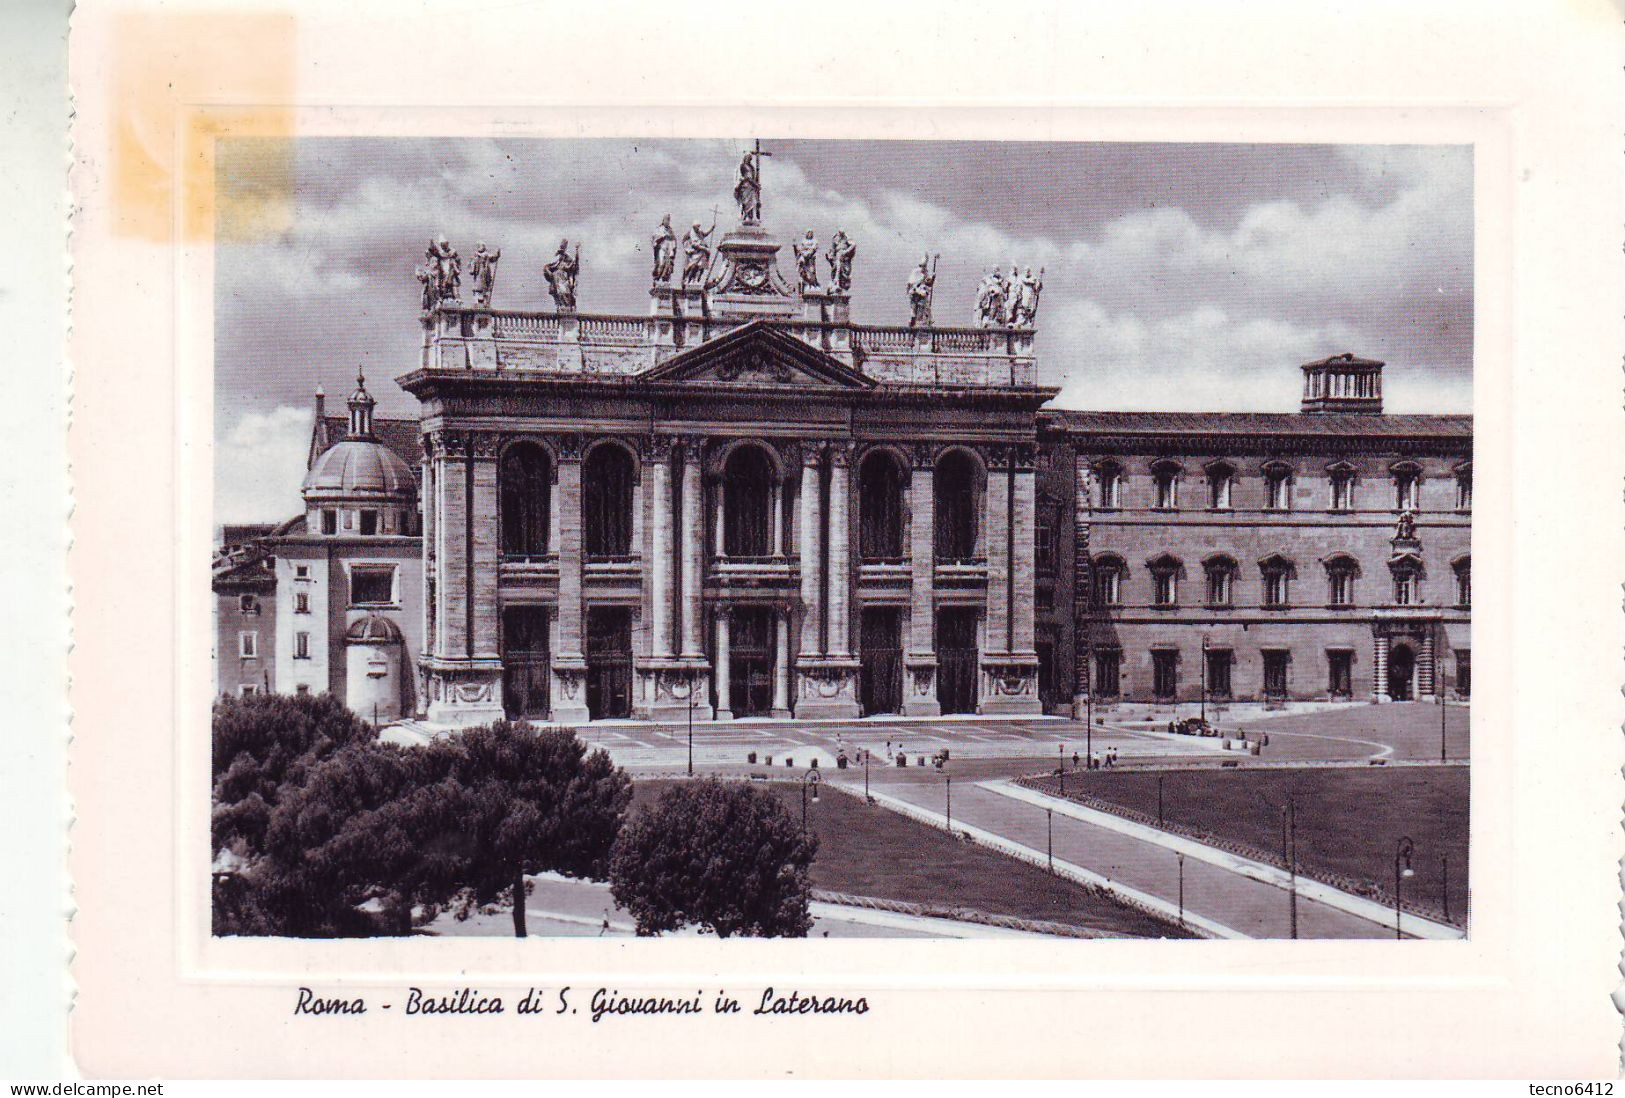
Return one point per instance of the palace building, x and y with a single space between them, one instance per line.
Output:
745 504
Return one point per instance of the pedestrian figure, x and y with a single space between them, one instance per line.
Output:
1074 760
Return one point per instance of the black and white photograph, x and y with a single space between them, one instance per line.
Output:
769 537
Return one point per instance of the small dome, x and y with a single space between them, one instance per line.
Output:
359 466
373 629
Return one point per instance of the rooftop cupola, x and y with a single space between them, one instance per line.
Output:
361 406
1343 383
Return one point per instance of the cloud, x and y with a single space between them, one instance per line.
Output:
260 466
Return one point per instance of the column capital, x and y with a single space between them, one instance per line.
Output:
812 452
840 452
923 455
569 445
693 446
658 447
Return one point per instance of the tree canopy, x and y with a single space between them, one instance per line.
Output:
263 744
724 856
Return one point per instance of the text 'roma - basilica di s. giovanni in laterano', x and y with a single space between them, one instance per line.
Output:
746 504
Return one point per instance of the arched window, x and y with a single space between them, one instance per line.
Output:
954 486
1341 478
606 488
525 499
1221 580
1464 486
1407 485
1341 572
1407 573
1278 573
880 507
1221 475
1165 570
1165 481
1463 567
1109 571
747 493
1109 477
1277 486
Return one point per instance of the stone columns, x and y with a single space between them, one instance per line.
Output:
781 663
462 670
776 545
840 551
1379 685
1023 579
569 661
661 547
920 660
693 539
1083 591
720 504
1425 678
1009 679
996 532
724 704
811 552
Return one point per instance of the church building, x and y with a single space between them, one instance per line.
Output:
745 504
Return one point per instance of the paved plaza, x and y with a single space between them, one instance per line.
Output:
1223 895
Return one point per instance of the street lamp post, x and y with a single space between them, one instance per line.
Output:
1049 836
1089 714
949 790
1159 800
866 797
1063 768
1204 680
1181 856
810 778
1402 871
1292 864
1438 674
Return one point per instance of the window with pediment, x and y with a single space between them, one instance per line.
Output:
1277 486
1165 484
1221 478
1221 579
1407 485
1165 570
1278 573
1341 572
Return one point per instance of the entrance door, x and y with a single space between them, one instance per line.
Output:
609 662
1046 673
750 661
880 644
1164 673
1401 669
526 667
956 660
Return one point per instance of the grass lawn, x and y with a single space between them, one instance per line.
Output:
1349 819
866 850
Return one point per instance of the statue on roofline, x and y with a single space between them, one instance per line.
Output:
1024 300
561 276
665 251
839 256
441 273
697 253
482 268
921 286
990 300
806 250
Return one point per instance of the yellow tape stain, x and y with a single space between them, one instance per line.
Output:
183 82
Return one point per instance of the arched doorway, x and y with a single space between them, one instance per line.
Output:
1401 672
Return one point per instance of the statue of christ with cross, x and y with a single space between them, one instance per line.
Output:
748 191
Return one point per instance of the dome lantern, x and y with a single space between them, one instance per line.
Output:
361 406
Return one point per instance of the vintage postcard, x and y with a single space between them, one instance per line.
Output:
772 578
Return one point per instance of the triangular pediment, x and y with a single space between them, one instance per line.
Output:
755 355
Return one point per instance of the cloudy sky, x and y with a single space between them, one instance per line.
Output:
1185 277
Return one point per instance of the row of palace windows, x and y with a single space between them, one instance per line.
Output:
1218 664
1219 480
749 496
1277 573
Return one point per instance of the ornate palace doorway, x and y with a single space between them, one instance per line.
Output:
609 662
880 646
956 660
750 662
